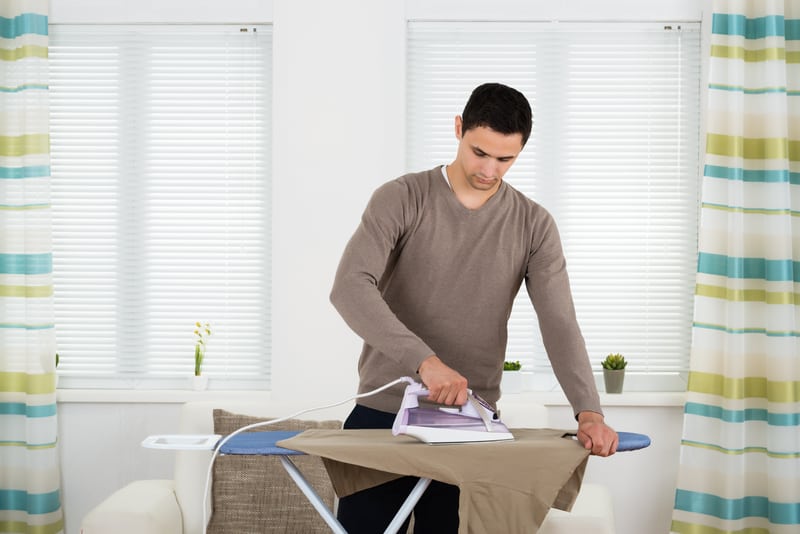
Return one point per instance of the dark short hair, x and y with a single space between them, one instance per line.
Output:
499 107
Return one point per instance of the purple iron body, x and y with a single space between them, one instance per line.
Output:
476 421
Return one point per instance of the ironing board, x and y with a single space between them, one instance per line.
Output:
265 444
324 444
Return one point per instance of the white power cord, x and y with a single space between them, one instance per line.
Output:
224 440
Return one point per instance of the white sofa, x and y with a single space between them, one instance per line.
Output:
176 506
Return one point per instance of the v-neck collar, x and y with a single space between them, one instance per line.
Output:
454 199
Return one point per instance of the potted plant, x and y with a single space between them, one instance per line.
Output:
614 372
202 331
512 378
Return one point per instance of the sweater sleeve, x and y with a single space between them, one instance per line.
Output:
548 286
369 254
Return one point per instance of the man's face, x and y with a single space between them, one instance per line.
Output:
484 155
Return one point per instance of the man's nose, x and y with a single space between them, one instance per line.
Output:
489 169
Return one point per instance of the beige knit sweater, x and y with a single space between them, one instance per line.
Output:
424 275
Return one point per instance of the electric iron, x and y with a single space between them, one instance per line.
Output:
474 422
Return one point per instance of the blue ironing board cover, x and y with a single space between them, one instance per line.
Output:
261 443
630 441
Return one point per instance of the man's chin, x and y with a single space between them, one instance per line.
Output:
484 185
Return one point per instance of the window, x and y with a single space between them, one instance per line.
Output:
160 141
614 156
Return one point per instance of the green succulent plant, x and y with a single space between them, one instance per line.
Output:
614 361
512 366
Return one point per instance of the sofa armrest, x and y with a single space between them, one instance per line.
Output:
141 506
592 513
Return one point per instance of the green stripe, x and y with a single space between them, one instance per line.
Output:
738 452
19 527
747 295
23 207
23 52
26 291
29 384
749 211
735 146
681 527
746 387
22 145
750 56
28 446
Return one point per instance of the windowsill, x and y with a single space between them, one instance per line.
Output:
156 396
176 396
633 399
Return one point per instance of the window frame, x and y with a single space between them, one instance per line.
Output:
246 185
540 377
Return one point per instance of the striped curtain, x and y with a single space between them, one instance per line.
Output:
30 492
740 454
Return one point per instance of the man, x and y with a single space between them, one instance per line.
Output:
428 281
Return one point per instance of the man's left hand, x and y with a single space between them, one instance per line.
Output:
596 435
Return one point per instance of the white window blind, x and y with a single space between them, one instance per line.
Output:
160 141
614 155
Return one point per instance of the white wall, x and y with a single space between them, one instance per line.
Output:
338 134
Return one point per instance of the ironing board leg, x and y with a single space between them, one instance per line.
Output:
312 495
408 505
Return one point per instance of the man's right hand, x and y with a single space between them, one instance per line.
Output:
446 386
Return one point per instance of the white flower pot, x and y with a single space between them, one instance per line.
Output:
199 383
511 382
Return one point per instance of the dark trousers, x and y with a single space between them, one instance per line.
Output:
370 511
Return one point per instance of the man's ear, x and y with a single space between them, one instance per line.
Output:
459 123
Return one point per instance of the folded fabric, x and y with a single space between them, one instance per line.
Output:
506 486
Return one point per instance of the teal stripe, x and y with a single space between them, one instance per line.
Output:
26 263
755 176
758 268
32 503
34 171
742 416
748 330
747 91
792 29
756 28
752 90
22 326
777 513
23 24
20 408
24 87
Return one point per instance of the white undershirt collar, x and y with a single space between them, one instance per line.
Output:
446 178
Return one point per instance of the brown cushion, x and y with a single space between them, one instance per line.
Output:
254 494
